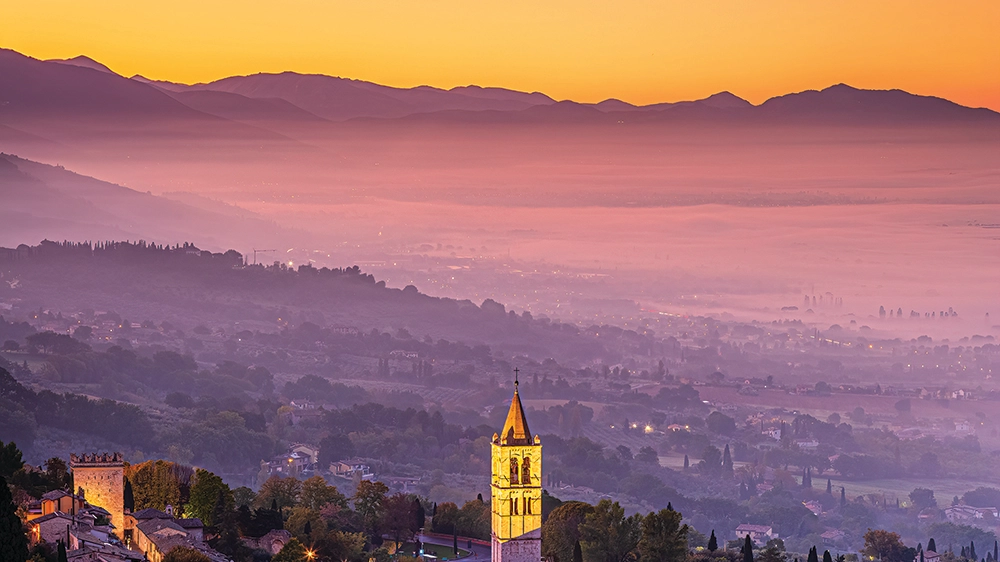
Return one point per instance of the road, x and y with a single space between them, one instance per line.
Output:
479 551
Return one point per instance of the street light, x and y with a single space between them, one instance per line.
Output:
310 554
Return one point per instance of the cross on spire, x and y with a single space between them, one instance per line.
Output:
516 371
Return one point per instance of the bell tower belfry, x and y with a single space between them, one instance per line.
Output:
516 489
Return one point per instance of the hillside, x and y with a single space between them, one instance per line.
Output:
42 201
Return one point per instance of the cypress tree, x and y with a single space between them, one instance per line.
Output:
748 549
829 486
13 542
687 463
61 552
713 543
843 497
577 552
972 550
827 557
995 551
921 556
454 538
670 506
727 463
129 497
931 545
965 553
813 555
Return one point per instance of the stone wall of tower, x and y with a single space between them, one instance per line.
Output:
527 548
102 478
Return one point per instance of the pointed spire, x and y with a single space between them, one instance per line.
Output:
515 429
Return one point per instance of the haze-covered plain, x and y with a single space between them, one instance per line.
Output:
866 198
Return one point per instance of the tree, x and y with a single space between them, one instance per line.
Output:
561 531
399 519
369 503
829 486
184 554
827 557
293 551
577 552
128 497
316 494
727 463
10 459
886 546
931 545
334 448
748 549
154 484
205 494
923 498
279 493
663 538
713 543
717 422
606 535
61 552
13 541
813 556
647 454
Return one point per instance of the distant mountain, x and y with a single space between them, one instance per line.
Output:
84 62
30 88
42 201
339 99
241 108
845 104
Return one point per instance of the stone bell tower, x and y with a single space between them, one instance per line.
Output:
516 489
102 479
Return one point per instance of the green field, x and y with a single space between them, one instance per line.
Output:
944 488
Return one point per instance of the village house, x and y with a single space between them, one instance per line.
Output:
351 467
759 534
956 513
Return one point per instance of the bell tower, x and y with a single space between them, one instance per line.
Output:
516 489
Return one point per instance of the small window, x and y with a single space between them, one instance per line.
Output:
515 505
513 471
526 471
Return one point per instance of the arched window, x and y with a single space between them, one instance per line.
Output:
513 471
526 471
513 509
514 501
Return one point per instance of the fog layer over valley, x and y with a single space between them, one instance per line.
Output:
573 211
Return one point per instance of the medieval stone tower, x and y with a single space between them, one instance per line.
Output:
102 479
516 489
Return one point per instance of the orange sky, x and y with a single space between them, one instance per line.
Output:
587 50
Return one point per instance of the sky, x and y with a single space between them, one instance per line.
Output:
587 50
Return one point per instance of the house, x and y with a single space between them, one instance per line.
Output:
806 444
814 506
773 433
155 537
292 464
311 452
957 513
50 528
55 501
759 534
963 427
833 537
103 553
147 528
351 467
